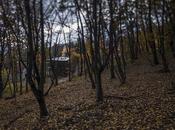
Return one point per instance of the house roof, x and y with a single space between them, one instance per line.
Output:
61 58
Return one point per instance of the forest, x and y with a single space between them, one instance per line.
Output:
87 64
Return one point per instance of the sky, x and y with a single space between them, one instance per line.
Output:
71 24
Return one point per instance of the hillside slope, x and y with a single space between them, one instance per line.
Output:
144 102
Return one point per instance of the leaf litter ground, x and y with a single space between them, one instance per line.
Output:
145 102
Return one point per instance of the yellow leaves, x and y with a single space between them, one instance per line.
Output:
75 56
38 59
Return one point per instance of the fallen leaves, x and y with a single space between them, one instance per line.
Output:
143 103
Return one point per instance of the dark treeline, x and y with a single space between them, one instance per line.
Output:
109 34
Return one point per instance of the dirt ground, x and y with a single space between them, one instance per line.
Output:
145 102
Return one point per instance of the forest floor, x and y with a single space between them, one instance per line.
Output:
145 102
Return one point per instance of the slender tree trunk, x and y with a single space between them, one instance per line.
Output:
99 91
97 60
42 107
1 81
151 38
42 69
1 67
171 18
111 35
20 77
164 60
38 92
83 49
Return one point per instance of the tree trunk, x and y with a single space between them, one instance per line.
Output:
111 36
151 37
38 91
42 106
162 45
99 91
1 81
